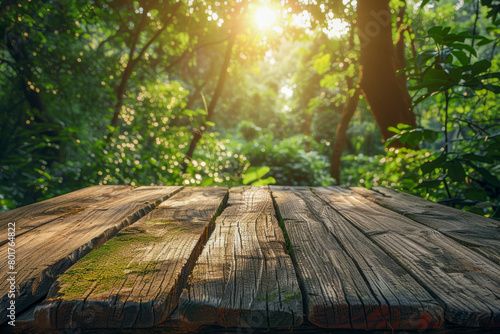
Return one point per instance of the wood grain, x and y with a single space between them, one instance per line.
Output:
476 232
466 284
50 249
135 279
348 281
243 277
37 214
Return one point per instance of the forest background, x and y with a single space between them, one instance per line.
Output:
392 93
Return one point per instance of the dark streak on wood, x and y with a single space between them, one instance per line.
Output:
476 232
244 278
347 281
370 260
466 284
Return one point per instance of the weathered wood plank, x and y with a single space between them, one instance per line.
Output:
465 283
244 278
135 279
48 250
37 214
348 281
476 232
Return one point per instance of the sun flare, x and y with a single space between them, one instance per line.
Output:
265 17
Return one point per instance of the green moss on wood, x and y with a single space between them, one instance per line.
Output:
289 298
112 263
274 296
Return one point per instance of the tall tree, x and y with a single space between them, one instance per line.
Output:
352 100
213 103
136 54
386 94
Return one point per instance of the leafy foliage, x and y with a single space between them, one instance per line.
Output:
112 92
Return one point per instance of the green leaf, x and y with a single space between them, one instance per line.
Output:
455 170
462 46
461 56
436 74
430 136
488 177
189 112
414 138
47 175
478 158
393 129
403 137
480 67
436 30
484 42
411 135
425 56
429 166
255 173
492 88
402 126
208 123
475 194
425 2
495 75
264 182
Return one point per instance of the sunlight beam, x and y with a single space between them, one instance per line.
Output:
265 17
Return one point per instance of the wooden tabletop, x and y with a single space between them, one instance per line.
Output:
283 258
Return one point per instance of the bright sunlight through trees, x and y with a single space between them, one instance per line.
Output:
265 17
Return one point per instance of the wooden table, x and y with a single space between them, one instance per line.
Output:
170 259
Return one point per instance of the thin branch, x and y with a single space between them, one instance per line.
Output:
198 47
446 142
493 48
475 27
158 33
135 38
101 44
124 24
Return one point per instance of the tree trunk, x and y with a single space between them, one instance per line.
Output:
132 62
39 112
340 134
198 133
195 95
120 92
386 94
347 112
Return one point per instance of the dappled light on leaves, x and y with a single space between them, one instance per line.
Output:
336 28
202 93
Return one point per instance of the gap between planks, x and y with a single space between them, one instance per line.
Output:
49 248
135 279
243 277
476 232
347 281
466 284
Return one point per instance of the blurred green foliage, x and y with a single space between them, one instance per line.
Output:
62 65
